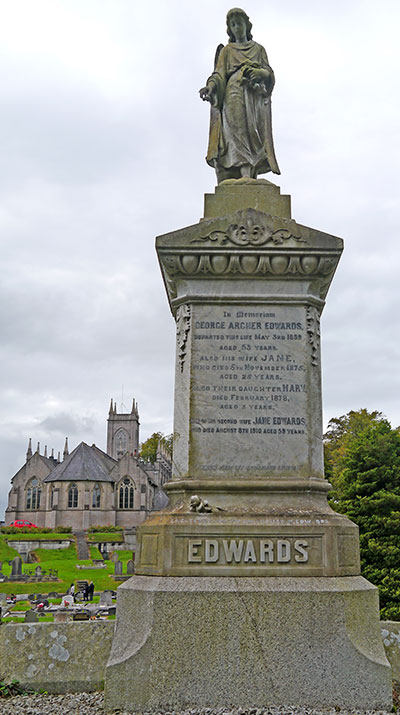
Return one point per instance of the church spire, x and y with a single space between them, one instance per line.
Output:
29 450
111 407
66 451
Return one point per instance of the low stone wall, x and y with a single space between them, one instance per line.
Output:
25 547
57 657
71 657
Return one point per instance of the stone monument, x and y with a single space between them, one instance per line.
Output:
247 588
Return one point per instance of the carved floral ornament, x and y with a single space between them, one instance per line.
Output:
253 228
183 316
313 332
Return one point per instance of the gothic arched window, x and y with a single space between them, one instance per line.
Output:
33 494
126 494
73 497
96 497
121 442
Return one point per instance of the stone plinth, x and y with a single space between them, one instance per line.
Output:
253 642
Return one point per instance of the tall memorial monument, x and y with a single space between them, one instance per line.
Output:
247 588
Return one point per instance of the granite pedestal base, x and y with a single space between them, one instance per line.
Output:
249 642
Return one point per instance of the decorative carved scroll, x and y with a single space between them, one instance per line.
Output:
313 332
183 319
252 228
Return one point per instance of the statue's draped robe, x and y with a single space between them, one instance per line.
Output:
240 126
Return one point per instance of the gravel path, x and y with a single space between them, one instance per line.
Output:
92 704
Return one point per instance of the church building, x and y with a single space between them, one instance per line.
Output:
90 487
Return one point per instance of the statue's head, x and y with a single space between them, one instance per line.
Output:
238 12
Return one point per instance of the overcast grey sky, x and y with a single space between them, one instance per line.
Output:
103 138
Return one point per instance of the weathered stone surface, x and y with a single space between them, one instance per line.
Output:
58 657
248 496
247 289
232 196
202 642
390 631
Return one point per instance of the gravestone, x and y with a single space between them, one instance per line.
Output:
247 587
248 498
106 598
81 616
3 598
62 617
16 567
130 567
118 568
68 601
38 571
112 610
31 617
114 557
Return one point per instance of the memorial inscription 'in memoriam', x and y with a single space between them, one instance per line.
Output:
250 378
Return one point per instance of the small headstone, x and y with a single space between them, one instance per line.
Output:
3 598
106 598
112 611
82 616
68 601
62 617
118 568
106 556
53 594
31 597
31 617
16 566
114 557
38 571
130 566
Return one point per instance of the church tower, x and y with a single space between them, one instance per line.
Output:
122 431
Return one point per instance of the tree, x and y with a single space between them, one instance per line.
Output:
149 448
339 435
363 455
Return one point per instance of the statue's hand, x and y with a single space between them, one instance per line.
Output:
255 75
205 94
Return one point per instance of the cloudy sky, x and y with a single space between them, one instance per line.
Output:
103 138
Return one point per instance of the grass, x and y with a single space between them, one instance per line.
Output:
35 535
6 552
105 537
64 561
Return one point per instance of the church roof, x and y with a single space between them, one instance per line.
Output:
83 464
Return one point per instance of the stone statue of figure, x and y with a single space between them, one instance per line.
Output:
239 91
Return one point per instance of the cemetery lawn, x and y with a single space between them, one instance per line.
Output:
114 537
36 535
65 562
